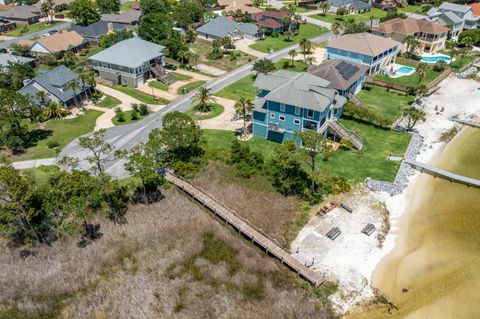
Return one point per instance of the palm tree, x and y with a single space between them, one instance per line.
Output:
412 44
53 110
261 30
311 60
46 11
286 23
371 18
421 90
324 6
42 96
306 46
451 47
182 55
421 71
413 115
73 85
244 107
91 80
336 28
84 77
204 97
194 59
292 54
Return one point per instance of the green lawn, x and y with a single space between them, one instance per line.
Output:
128 118
109 102
371 161
126 6
306 31
141 96
63 132
459 63
362 17
158 85
388 104
411 80
31 28
91 51
181 77
217 109
184 89
244 87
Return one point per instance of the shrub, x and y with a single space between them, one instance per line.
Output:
245 161
440 65
274 35
183 169
52 144
134 115
143 109
286 64
119 114
364 114
346 144
134 107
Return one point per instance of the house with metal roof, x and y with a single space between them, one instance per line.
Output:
345 77
6 59
457 17
430 35
222 27
288 102
130 62
367 49
352 6
55 83
22 14
130 17
96 30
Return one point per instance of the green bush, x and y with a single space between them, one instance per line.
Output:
472 34
119 114
135 107
286 64
52 144
440 65
143 109
363 114
134 115
184 168
245 161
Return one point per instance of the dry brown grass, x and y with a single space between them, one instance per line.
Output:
155 266
254 199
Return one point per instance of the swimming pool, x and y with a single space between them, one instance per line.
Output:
405 70
435 58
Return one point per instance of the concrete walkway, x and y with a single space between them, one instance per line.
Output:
224 120
34 163
196 76
210 69
244 46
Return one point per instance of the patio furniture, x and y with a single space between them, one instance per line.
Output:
327 208
369 229
347 208
333 233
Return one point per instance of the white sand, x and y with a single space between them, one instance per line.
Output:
352 257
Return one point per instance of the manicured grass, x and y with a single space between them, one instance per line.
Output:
244 87
362 17
217 109
388 104
141 96
158 85
184 89
459 63
91 51
371 161
109 102
63 132
270 43
128 118
411 80
31 28
181 77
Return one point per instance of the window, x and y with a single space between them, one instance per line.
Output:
296 121
310 113
272 115
297 110
282 107
281 118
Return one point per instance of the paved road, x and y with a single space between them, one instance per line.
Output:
30 36
127 136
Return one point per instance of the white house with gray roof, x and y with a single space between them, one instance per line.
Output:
456 16
6 59
130 62
222 27
55 83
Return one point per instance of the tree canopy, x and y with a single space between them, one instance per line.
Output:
108 6
84 12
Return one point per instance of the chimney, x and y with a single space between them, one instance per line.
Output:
110 27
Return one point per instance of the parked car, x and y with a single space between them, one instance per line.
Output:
170 66
229 47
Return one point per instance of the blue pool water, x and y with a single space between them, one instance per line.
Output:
405 69
434 59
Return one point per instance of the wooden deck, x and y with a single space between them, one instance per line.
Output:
443 173
243 227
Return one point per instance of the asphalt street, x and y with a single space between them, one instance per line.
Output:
126 136
30 36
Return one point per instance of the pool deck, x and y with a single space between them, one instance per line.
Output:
397 74
436 57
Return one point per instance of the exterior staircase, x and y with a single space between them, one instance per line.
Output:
162 76
335 127
354 99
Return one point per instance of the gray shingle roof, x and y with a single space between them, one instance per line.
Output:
328 71
299 89
6 57
97 29
128 17
455 7
221 27
53 81
130 53
20 12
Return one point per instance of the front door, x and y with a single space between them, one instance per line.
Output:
119 79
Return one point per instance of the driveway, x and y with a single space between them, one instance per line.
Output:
224 120
126 136
30 36
243 45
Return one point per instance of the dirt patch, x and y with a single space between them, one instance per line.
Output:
254 199
171 260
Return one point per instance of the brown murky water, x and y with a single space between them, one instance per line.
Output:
434 272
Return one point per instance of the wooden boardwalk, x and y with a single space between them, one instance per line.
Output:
443 173
243 227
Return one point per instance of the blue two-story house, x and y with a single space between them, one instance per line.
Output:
289 101
367 49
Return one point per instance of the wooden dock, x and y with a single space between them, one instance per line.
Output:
243 227
443 173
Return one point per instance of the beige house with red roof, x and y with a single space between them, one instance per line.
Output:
431 35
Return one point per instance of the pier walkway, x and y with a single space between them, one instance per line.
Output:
243 227
443 173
